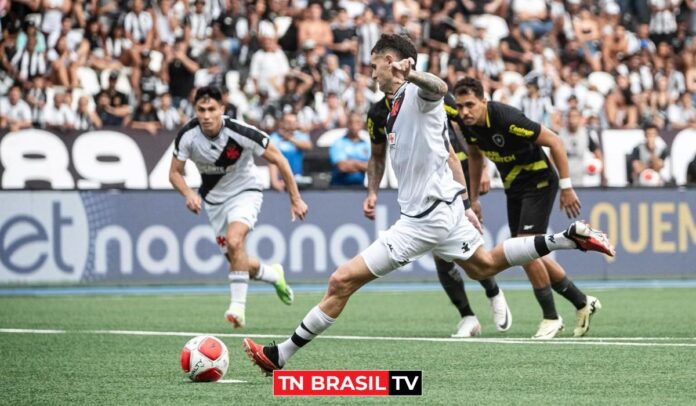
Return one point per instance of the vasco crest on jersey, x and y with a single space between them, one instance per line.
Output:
230 154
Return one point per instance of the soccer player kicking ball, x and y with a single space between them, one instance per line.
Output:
448 275
222 149
434 207
513 142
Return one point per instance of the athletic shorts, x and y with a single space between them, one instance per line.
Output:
445 231
244 208
529 212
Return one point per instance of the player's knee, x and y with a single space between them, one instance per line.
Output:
234 244
339 284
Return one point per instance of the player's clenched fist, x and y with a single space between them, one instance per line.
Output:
193 203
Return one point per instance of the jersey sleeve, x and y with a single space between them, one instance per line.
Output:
250 136
425 105
375 123
182 146
516 124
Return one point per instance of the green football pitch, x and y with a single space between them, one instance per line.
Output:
102 350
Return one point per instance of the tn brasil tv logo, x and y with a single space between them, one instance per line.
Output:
347 383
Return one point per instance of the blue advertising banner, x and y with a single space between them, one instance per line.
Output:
150 236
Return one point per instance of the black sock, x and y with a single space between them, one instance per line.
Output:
453 284
545 298
568 290
491 287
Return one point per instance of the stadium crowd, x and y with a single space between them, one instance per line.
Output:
576 66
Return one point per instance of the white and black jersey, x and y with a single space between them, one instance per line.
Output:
225 162
419 147
138 25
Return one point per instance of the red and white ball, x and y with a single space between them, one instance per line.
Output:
205 359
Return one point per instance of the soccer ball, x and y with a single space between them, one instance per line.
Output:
205 359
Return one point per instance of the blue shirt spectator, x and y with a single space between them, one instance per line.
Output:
349 155
292 144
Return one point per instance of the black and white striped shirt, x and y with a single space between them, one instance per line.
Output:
138 25
29 64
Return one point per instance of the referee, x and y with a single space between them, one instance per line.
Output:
514 143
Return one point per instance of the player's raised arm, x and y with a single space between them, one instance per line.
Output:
298 206
176 178
569 200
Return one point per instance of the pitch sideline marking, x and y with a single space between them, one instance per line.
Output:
599 341
231 381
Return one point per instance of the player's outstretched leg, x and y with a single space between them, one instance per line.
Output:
274 275
347 279
453 284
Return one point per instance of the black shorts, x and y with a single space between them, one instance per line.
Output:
529 212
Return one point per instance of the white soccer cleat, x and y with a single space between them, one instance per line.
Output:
468 326
501 312
235 315
583 316
548 328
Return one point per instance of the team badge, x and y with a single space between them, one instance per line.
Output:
499 140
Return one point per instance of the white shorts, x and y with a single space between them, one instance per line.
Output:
244 208
445 231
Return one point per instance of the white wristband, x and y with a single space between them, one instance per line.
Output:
565 183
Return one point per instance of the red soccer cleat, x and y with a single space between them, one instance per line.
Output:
588 239
262 355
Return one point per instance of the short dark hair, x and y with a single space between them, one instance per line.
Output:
206 92
400 44
468 85
650 126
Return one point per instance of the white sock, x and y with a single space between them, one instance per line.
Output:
239 281
314 323
519 251
266 274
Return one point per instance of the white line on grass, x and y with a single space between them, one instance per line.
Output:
600 341
230 381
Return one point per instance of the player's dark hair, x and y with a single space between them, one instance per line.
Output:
400 44
650 126
208 92
468 85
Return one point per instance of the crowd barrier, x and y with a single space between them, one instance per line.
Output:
137 236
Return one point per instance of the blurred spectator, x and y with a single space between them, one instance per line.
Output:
345 40
368 34
292 143
197 26
516 50
179 70
15 113
691 173
682 114
316 29
60 116
349 155
296 87
139 27
64 64
663 19
230 109
620 111
145 117
36 97
170 117
332 114
29 62
31 31
532 16
86 118
649 155
335 79
579 142
537 108
165 22
269 65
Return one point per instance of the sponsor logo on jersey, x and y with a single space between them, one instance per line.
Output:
497 158
522 132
